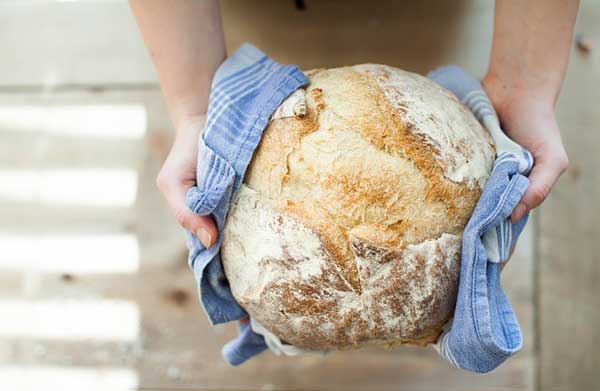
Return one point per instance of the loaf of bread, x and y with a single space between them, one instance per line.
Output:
347 229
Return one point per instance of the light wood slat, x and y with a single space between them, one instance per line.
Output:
569 255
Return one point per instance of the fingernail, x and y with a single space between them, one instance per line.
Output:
204 237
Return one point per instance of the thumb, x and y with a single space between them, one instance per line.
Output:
543 176
202 226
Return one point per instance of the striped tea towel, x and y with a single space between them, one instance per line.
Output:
484 331
247 88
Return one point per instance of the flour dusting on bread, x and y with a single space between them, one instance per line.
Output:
347 229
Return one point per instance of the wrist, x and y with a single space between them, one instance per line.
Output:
186 112
188 122
508 96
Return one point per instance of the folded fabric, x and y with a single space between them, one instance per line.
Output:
484 331
247 88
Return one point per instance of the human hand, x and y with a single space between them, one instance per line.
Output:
178 175
530 121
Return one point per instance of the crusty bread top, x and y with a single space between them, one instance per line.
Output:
380 169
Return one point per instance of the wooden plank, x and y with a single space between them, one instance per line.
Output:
27 145
417 36
86 42
569 254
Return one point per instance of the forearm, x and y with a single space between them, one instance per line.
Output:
530 48
185 41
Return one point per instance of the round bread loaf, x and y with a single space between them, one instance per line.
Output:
347 229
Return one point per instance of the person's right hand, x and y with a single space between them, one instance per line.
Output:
178 175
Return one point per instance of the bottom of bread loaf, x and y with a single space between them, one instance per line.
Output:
281 273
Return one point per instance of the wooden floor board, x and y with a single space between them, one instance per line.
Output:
569 245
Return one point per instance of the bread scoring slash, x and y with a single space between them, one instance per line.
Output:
347 229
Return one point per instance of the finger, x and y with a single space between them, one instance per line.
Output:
202 226
543 176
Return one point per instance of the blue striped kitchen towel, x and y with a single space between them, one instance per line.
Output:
246 89
484 331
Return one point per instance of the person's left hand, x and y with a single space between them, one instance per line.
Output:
531 122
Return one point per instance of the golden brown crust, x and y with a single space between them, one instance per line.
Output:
360 175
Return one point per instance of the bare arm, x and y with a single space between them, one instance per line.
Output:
529 58
186 44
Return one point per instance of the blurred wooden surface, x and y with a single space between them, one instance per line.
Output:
90 54
52 43
417 36
569 246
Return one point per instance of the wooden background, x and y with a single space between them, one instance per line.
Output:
89 53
